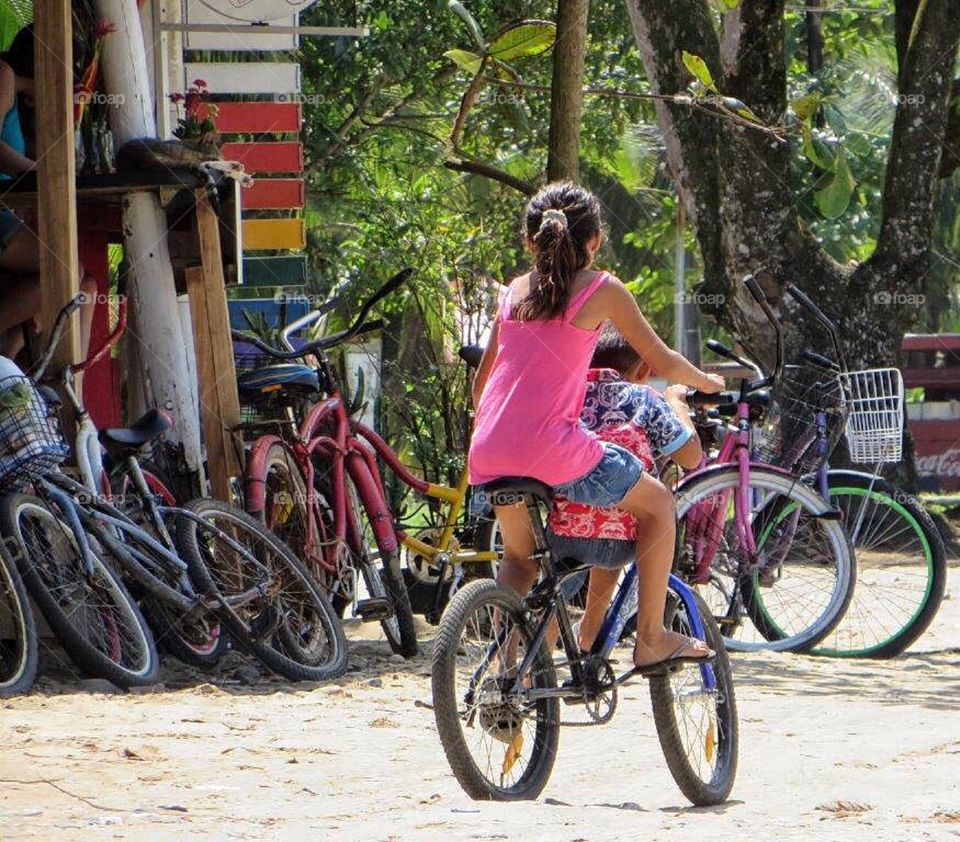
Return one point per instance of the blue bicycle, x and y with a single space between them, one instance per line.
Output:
497 687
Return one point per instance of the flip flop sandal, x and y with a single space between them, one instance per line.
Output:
674 661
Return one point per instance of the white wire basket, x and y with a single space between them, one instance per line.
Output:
874 428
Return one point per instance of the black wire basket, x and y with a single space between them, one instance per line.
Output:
31 444
787 437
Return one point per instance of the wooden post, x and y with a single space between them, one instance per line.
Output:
57 194
219 402
161 378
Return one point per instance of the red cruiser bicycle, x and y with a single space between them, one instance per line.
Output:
311 476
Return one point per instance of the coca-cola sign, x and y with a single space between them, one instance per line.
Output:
257 10
944 466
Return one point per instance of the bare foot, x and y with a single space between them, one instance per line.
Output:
668 644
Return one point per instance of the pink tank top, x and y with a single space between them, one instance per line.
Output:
528 420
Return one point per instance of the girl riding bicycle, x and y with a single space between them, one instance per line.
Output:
529 392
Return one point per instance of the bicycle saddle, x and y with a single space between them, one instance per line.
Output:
149 426
264 381
471 355
507 491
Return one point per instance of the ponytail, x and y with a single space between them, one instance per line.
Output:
560 220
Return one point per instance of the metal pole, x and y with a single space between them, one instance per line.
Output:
680 296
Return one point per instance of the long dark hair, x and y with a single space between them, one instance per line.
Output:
559 221
20 54
613 351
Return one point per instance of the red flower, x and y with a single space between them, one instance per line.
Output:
105 27
177 97
199 83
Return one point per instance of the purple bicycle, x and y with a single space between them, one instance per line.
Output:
768 553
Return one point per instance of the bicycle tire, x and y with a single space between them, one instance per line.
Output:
487 595
20 651
823 576
886 614
203 651
722 730
119 646
383 579
273 625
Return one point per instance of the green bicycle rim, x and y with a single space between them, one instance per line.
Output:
928 556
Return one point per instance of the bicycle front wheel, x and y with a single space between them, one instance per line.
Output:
91 612
793 592
500 744
268 599
18 632
697 724
901 568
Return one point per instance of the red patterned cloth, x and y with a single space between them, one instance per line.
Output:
576 520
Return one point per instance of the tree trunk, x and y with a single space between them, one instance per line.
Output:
566 98
163 379
736 183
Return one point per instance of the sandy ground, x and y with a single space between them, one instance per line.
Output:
829 750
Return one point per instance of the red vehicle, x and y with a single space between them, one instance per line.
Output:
932 361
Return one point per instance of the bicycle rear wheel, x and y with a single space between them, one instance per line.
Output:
270 602
93 615
18 632
794 592
697 725
901 568
500 745
380 572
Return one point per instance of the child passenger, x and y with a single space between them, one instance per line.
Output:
622 411
529 392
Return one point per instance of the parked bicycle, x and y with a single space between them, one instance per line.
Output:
901 559
768 553
196 565
496 689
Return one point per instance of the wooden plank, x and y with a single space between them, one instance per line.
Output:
273 194
261 234
57 201
219 401
282 156
287 270
199 13
259 117
227 77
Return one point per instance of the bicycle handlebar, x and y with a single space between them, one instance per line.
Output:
751 283
820 361
37 370
723 351
804 301
359 326
696 398
111 340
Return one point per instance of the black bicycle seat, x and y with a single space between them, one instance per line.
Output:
149 426
507 491
471 355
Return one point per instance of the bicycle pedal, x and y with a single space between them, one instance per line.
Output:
373 609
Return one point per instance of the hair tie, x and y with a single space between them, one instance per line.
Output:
553 213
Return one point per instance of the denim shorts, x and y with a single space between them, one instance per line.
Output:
597 552
606 485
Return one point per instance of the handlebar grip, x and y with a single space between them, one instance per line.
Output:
393 284
819 360
719 348
698 398
804 301
751 283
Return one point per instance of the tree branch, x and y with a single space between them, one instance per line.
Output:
528 188
758 74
